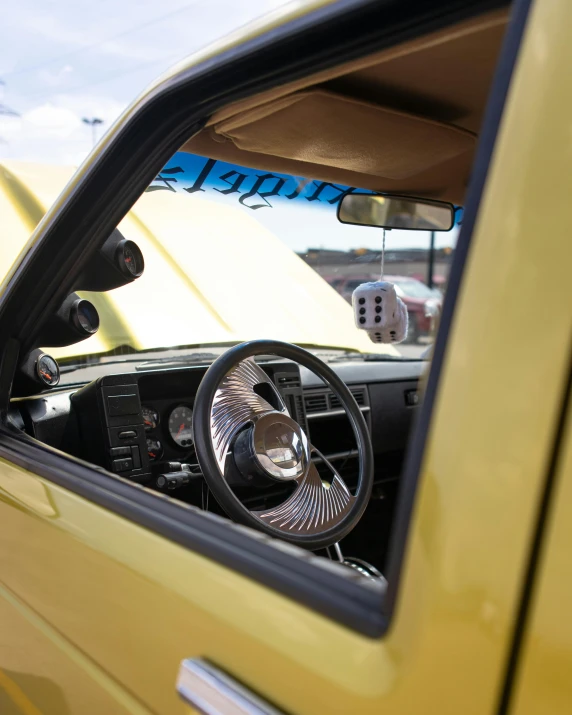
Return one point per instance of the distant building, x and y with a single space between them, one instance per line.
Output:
362 262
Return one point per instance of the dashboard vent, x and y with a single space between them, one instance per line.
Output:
324 401
288 381
359 396
316 403
300 415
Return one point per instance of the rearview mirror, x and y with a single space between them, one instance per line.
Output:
386 211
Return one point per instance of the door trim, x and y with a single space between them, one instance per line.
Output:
539 533
213 692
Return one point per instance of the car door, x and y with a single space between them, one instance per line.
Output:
541 663
106 589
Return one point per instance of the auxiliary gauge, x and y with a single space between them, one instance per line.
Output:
47 370
154 449
130 259
150 418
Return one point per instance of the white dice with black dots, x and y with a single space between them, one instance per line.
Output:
379 310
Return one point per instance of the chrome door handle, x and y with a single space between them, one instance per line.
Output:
212 692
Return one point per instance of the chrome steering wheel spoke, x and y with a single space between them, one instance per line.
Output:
314 506
236 404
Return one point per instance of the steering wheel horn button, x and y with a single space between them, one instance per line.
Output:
273 448
280 446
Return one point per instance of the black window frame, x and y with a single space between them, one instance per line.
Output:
104 190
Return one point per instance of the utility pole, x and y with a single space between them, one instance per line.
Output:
431 260
93 122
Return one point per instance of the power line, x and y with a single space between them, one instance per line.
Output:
102 80
85 48
4 110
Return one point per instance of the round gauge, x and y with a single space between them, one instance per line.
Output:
130 259
154 449
47 370
180 426
85 316
150 418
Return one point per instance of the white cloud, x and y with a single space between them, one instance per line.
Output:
53 132
68 60
90 105
55 121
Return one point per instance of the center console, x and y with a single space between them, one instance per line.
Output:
110 421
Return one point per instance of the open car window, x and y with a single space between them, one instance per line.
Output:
231 254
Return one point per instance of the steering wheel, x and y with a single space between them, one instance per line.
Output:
244 435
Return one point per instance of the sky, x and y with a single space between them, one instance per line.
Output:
63 60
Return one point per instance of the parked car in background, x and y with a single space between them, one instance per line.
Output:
423 303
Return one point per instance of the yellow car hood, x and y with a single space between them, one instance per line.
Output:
212 273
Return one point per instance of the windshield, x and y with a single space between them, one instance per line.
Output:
234 254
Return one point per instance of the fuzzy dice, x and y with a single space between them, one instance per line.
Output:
379 311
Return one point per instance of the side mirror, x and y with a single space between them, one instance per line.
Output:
387 211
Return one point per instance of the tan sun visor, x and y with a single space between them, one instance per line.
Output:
329 129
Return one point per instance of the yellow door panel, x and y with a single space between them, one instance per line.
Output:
41 673
139 604
543 683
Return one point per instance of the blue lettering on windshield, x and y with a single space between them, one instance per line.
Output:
252 189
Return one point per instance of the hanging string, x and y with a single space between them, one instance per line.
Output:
382 255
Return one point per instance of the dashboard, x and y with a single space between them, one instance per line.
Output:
138 425
150 412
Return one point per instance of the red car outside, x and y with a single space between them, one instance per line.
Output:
423 303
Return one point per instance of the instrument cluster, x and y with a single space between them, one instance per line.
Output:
169 432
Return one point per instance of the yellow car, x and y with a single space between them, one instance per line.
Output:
223 489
